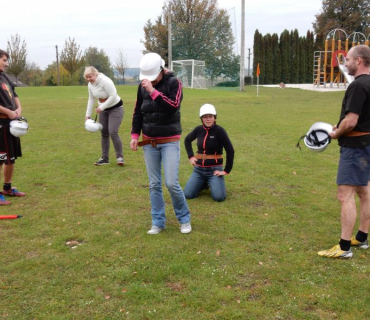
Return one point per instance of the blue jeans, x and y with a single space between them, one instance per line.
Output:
169 155
201 176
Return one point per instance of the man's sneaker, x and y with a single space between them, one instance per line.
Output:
13 192
336 252
101 162
155 230
120 161
362 245
186 228
3 202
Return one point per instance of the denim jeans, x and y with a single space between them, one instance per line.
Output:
111 120
202 175
169 155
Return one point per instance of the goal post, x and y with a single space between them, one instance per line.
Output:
191 73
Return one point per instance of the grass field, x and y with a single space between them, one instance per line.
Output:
253 256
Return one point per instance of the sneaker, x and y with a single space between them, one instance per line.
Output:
14 192
336 252
101 162
155 230
186 228
3 202
120 161
362 245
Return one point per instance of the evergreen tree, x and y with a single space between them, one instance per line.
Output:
310 56
256 53
268 66
262 61
294 56
284 52
276 59
302 59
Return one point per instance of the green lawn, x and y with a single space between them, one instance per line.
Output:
253 256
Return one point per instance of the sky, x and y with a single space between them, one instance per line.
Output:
118 24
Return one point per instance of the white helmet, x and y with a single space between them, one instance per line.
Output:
318 138
92 126
150 66
207 109
18 127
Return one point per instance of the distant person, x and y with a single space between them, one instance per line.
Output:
353 134
10 146
110 110
157 117
208 169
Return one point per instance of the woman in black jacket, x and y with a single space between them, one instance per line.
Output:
157 118
208 162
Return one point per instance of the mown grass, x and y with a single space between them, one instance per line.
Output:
253 256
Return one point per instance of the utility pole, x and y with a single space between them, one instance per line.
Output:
56 47
242 53
169 64
249 61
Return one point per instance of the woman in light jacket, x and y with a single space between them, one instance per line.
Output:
110 110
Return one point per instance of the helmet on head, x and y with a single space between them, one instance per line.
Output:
207 109
18 127
92 126
318 138
150 66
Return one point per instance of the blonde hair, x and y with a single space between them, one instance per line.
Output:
90 70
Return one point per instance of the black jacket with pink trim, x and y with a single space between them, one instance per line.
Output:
158 114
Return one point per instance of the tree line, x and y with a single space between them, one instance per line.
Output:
288 58
71 67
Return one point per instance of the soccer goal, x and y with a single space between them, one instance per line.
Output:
191 73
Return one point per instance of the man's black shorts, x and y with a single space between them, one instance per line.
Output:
10 146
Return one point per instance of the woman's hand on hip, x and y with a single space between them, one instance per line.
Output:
193 161
219 173
133 144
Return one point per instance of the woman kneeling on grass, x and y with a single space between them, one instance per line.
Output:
208 162
110 112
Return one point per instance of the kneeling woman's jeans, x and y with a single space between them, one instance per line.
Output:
202 175
169 155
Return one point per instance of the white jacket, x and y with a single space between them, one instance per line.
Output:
102 88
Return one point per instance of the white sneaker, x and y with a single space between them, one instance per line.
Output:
186 228
120 161
155 230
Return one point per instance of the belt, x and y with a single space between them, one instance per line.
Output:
208 156
3 116
356 134
154 142
103 100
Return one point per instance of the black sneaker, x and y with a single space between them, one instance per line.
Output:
101 162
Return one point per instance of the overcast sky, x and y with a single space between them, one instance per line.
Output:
114 24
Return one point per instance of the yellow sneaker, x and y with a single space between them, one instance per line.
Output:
362 245
336 252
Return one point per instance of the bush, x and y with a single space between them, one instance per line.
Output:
248 80
228 84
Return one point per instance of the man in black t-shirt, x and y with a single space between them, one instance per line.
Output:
10 146
353 134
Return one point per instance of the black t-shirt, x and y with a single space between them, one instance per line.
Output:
7 93
357 100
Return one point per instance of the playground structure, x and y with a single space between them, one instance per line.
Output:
329 64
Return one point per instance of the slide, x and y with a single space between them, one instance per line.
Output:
344 71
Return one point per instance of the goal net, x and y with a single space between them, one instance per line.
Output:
191 73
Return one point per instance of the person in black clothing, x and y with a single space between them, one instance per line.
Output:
10 146
353 134
208 162
157 117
